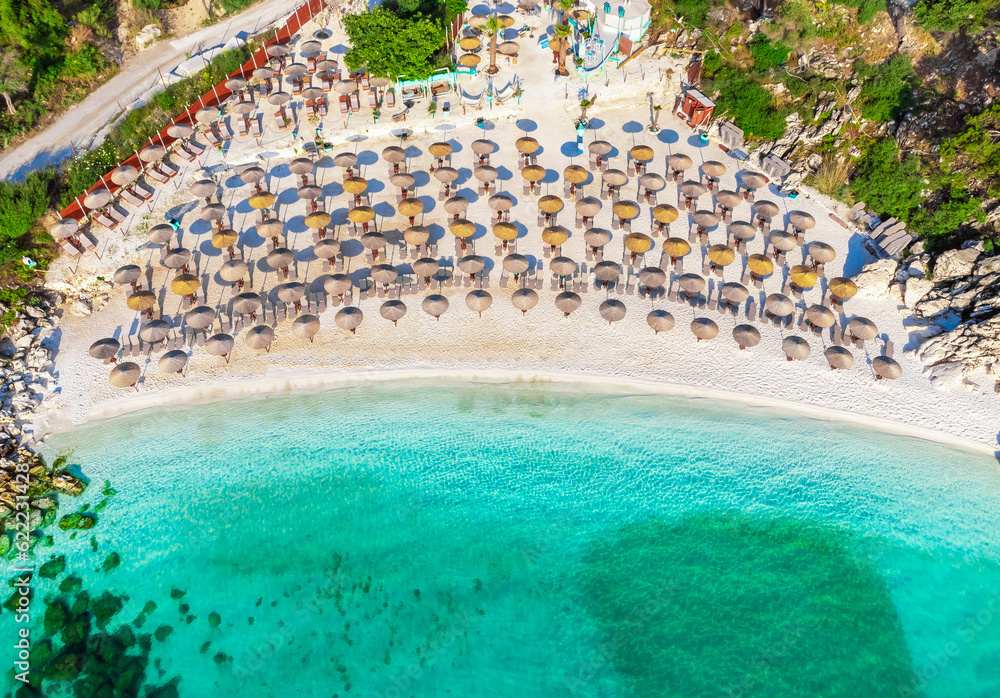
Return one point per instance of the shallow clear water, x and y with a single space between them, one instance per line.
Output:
433 539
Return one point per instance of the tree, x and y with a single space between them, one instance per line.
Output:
389 46
562 32
885 93
888 184
13 76
493 26
566 6
974 154
767 55
950 15
750 105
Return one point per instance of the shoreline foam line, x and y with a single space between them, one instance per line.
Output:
299 383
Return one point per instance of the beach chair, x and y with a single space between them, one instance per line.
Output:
372 99
156 175
355 103
244 128
390 99
327 82
255 128
888 348
104 219
212 138
130 198
321 106
752 310
310 109
184 154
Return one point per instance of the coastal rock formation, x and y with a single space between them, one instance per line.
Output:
874 279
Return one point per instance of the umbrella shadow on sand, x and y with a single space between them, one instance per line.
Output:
420 179
333 189
367 157
429 202
470 194
436 233
570 149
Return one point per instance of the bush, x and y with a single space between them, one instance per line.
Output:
888 185
939 224
886 91
390 46
831 178
949 15
750 105
974 155
867 9
767 55
711 63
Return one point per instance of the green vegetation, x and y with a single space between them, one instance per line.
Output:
21 207
973 156
952 15
767 55
889 183
389 45
885 93
749 104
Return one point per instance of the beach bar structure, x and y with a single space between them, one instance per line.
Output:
628 19
696 108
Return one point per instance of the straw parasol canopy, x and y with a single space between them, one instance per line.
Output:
97 198
271 227
734 292
607 270
802 220
820 316
141 301
652 277
212 212
729 199
821 252
233 270
392 311
779 305
295 70
753 180
309 192
691 283
237 83
679 162
862 328
154 331
704 328
664 213
706 219
555 235
435 305
355 185
337 285
742 230
692 189
721 255
505 231
596 237
652 181
278 99
416 235
638 243
373 240
174 361
361 214
326 248
642 153
393 154
803 276
176 258
626 210
104 349
246 107
456 205
615 178
600 147
152 153
500 202
612 310
346 160
220 345
524 299
795 348
588 206
478 21
222 239
550 204
127 274
440 149
252 175
574 174
782 240
563 266
567 302
200 318
839 357
526 145
766 209
515 264
446 174
676 247
886 367
291 292
760 265
469 60
185 284
403 180
713 168
506 21
842 287
345 87
277 50
469 43
533 173
203 188
349 318
317 219
182 130
305 326
125 375
411 208
280 257
478 301
486 173
746 336
261 201
483 146
508 48
660 321
263 73
246 303
384 274
462 228
126 174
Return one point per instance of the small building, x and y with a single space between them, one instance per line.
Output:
628 18
696 108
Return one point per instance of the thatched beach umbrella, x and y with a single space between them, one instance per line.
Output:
152 153
125 375
212 212
243 108
803 276
154 331
128 274
588 207
345 160
652 277
278 50
486 174
280 258
526 145
678 163
691 284
261 200
403 180
676 248
174 361
600 148
532 174
426 267
318 220
253 175
291 293
704 328
567 302
67 228
220 345
691 191
554 236
746 336
456 205
862 328
393 154
821 252
411 208
596 238
795 348
641 153
384 274
440 149
393 311
177 258
349 318
278 99
515 264
713 169
614 178
607 270
301 166
471 264
886 367
753 180
416 235
142 301
478 301
779 305
705 220
660 321
505 231
839 357
221 239
97 199
263 73
500 202
721 255
355 185
550 204
326 248
524 299
462 229
200 318
185 285
734 292
181 130
759 265
637 244
574 174
842 288
612 310
563 266
765 210
742 231
625 210
338 285
203 188
727 199
801 220
104 349
483 146
309 192
820 316
306 327
246 303
435 305
782 241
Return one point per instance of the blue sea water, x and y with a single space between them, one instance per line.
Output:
454 539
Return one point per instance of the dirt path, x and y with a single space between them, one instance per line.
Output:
82 121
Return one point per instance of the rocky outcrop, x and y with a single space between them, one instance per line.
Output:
874 279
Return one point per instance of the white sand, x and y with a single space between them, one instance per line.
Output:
503 345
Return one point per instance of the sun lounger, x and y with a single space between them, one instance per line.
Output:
888 349
107 221
372 100
130 198
255 129
752 310
355 102
244 128
156 175
310 109
321 106
390 99
184 154
212 138
224 131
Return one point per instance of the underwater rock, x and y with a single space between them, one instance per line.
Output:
71 584
55 617
78 521
176 594
110 562
214 620
105 607
53 568
149 607
184 608
163 632
80 603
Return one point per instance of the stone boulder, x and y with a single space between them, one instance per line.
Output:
955 263
915 289
874 279
971 346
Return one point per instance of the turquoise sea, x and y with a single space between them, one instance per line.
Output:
429 538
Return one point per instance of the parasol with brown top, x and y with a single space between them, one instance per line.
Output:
795 348
567 301
435 305
516 264
416 235
746 336
124 175
126 375
652 277
742 231
403 180
679 163
501 202
524 299
801 221
713 170
337 285
607 271
612 310
704 329
393 311
174 361
177 258
160 234
764 211
691 190
779 305
886 367
280 258
306 327
220 345
105 349
705 220
326 249
349 318
821 253
820 316
128 274
734 292
862 328
660 321
233 271
839 358
596 238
